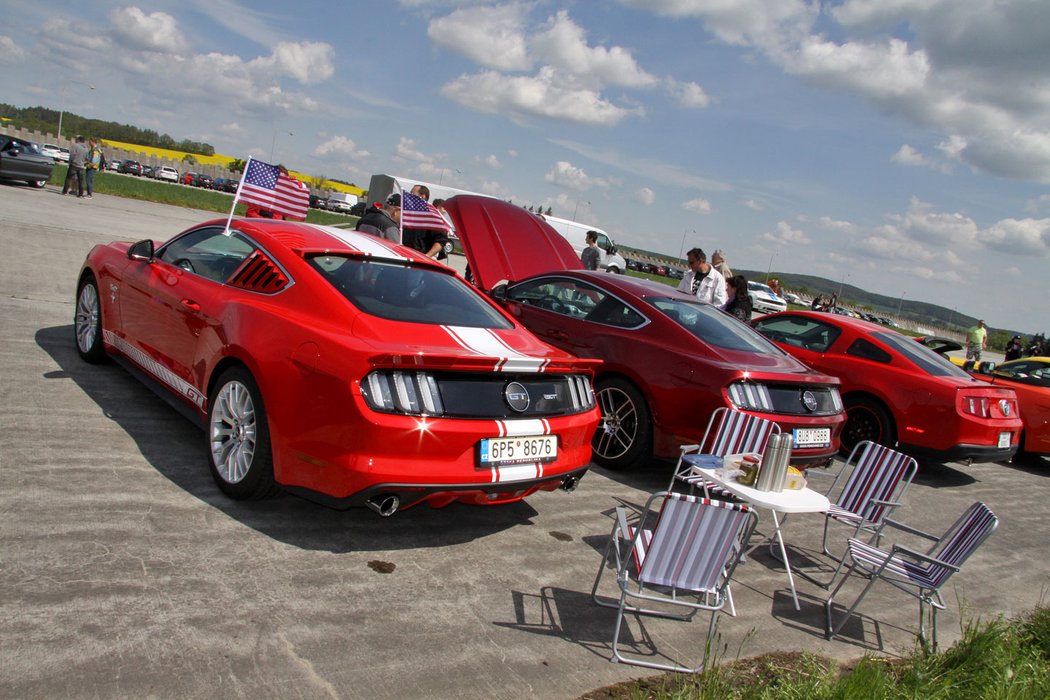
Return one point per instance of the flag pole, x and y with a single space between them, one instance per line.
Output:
237 195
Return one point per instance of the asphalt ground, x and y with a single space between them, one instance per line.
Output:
125 573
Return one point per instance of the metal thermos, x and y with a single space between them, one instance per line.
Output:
773 472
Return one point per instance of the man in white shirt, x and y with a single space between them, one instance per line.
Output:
703 281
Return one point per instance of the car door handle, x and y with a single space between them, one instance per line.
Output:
558 335
191 304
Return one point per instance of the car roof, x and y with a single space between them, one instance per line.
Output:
504 242
858 324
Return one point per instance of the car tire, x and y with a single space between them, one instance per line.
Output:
87 322
238 438
623 439
866 419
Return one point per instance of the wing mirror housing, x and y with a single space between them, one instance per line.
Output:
143 250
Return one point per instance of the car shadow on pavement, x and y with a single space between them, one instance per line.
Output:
175 447
937 475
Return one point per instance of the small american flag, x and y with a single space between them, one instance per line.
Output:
265 185
417 212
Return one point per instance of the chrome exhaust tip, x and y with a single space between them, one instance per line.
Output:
569 484
384 504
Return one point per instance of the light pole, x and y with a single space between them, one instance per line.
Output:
769 268
442 175
62 107
578 207
681 250
845 276
273 144
901 304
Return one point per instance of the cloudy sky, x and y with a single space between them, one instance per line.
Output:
902 146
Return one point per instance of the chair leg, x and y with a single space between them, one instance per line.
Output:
831 630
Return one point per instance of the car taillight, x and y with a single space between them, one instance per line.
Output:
985 407
413 393
750 396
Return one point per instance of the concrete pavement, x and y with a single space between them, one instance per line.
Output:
125 573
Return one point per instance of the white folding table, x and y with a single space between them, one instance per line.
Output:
804 500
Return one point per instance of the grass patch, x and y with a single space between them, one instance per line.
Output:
999 659
161 192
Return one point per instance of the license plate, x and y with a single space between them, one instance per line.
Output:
1004 439
518 450
812 437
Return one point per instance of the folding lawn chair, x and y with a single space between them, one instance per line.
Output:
684 560
870 485
917 574
728 432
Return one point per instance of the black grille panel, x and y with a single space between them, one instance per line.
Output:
787 399
485 397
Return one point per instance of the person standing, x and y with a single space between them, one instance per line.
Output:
384 222
976 340
430 242
93 165
590 257
702 280
1013 349
739 304
78 156
718 261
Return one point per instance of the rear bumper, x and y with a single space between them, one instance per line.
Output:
960 453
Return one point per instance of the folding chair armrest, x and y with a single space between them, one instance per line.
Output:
621 523
686 449
908 528
901 549
821 472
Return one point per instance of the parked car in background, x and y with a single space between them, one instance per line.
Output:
357 210
764 299
224 184
113 165
668 361
339 366
54 152
167 173
1029 377
23 160
147 171
792 298
899 393
318 202
201 180
187 178
130 167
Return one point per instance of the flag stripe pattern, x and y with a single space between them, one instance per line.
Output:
417 212
265 185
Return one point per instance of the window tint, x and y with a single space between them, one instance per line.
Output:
713 326
920 355
862 347
413 295
799 331
207 252
576 299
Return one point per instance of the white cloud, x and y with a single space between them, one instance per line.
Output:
688 94
542 95
491 161
826 222
156 31
307 62
645 195
564 46
568 175
490 36
406 149
698 205
785 236
10 52
232 129
341 146
754 205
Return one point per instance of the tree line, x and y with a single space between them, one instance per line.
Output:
45 120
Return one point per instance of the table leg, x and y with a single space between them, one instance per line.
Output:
783 552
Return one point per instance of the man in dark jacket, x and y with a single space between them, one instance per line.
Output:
383 223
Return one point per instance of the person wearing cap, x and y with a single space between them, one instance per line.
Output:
702 280
429 242
1013 349
718 261
384 222
976 340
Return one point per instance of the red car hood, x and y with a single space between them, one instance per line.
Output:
503 242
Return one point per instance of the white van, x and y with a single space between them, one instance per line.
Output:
341 201
576 234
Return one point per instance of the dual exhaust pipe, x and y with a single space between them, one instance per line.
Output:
386 504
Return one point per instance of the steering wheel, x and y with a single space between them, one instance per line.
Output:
551 302
184 264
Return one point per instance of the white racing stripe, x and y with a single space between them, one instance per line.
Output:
363 242
160 372
485 342
517 472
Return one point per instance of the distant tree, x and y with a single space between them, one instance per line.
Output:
188 159
236 165
548 211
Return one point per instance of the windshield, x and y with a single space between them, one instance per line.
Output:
927 360
712 326
759 287
415 295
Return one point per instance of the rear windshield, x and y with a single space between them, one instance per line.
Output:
411 294
924 358
714 327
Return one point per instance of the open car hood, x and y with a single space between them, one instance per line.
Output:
504 242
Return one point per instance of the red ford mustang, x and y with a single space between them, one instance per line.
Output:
334 365
668 360
899 392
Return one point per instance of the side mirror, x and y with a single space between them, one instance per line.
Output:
499 292
143 250
986 367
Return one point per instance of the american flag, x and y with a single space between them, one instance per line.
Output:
417 212
265 185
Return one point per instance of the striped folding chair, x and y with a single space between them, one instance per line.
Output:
920 575
674 562
728 432
870 485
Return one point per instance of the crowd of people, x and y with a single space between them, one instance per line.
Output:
385 221
85 160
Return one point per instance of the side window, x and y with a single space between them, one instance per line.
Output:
562 296
603 242
868 350
799 332
207 252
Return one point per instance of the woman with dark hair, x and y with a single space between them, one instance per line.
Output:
739 304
